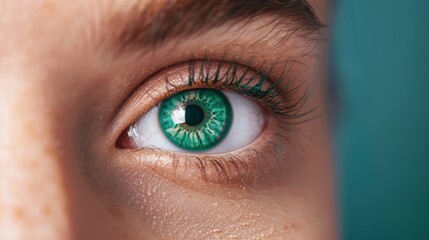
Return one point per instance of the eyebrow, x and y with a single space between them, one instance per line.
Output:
163 20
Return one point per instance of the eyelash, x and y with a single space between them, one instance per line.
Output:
254 84
247 166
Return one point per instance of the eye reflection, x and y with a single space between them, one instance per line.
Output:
200 120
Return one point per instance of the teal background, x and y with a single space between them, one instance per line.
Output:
381 55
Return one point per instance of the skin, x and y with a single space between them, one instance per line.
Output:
60 177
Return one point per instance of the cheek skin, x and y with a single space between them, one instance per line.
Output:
148 205
168 211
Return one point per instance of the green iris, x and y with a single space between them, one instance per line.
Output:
196 119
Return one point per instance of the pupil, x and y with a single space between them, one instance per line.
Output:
194 115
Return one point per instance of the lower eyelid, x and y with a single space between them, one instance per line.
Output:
253 166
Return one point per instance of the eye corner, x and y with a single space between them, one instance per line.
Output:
124 141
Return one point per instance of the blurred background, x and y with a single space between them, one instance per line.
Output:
380 59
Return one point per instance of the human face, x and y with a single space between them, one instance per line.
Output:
78 78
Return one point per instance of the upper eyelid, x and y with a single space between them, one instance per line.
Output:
135 67
142 99
141 94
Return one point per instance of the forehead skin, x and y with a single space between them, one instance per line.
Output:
44 53
36 28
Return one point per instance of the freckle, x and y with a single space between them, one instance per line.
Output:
289 227
49 151
48 7
115 212
19 213
31 130
47 210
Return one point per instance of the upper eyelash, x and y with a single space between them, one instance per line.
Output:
276 97
284 99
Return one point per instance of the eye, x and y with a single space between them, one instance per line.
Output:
216 121
200 120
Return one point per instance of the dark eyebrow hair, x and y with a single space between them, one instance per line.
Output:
161 20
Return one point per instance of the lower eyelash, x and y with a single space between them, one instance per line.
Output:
250 167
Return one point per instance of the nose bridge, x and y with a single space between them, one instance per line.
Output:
33 198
